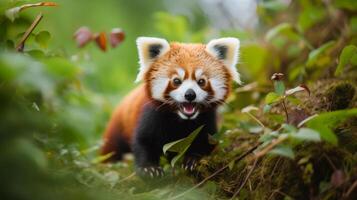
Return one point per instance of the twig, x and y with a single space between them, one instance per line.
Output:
247 87
306 120
279 192
37 5
216 172
246 179
330 162
281 139
286 111
256 119
350 190
21 45
126 178
274 168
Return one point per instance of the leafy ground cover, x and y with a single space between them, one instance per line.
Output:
290 132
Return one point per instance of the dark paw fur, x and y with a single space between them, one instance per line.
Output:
190 164
151 172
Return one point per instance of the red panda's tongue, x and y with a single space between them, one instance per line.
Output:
188 108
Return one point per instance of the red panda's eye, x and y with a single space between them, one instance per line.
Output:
177 81
201 82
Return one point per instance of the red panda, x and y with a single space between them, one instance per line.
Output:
182 85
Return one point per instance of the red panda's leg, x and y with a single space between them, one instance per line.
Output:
114 144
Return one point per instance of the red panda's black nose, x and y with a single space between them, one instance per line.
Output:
190 95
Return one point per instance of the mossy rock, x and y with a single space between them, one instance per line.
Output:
330 95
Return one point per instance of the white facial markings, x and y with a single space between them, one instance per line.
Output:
180 72
219 88
179 93
198 73
195 115
158 87
183 116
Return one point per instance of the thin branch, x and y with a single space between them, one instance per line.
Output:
246 179
247 88
21 45
330 162
266 150
256 119
286 111
37 5
306 120
216 172
126 178
350 190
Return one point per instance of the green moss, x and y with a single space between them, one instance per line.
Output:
340 95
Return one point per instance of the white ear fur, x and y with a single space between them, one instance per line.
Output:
226 50
149 48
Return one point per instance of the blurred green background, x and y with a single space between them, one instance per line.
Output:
56 98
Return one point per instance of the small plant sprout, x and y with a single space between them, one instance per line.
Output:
280 94
248 111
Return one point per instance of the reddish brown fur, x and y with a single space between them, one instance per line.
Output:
189 57
123 121
125 117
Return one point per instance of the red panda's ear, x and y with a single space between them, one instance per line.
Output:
149 49
226 50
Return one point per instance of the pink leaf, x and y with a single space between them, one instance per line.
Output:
117 36
83 36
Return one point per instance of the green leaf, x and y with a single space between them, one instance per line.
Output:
345 58
181 146
307 134
36 53
310 15
42 38
283 150
172 26
267 108
279 87
281 29
61 68
268 137
324 122
315 56
173 146
272 97
289 128
346 4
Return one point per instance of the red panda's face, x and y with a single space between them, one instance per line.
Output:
188 77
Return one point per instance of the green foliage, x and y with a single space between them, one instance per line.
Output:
346 4
272 97
180 146
56 99
283 150
307 135
279 87
325 121
320 56
285 29
43 38
348 56
173 27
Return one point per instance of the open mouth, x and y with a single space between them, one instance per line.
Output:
188 109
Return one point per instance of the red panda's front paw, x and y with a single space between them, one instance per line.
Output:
151 172
190 163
